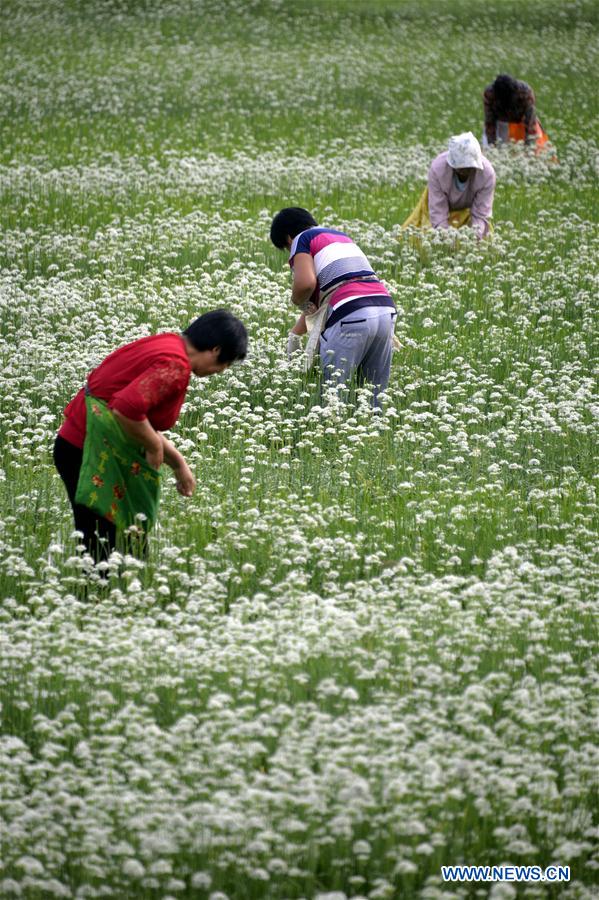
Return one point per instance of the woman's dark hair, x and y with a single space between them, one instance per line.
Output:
219 328
504 87
289 223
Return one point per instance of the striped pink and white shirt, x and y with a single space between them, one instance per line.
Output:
346 280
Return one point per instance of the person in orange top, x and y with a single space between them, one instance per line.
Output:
510 113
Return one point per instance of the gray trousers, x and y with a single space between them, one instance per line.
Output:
361 344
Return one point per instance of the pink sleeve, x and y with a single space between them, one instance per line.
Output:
482 205
162 382
438 202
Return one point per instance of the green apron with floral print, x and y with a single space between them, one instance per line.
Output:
115 480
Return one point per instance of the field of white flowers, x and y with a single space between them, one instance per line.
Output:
367 646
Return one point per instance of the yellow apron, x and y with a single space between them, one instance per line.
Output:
419 217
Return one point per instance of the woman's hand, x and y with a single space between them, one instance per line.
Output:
294 343
186 483
155 456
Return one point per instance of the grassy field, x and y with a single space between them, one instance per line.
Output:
366 647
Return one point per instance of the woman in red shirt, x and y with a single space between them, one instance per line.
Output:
144 384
